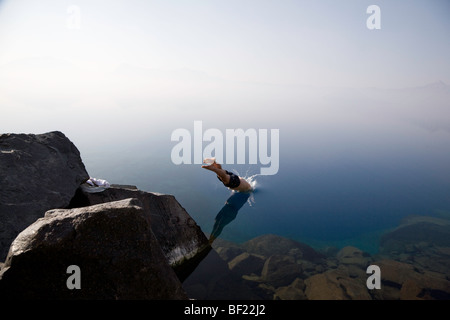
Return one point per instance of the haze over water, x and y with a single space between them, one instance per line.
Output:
363 115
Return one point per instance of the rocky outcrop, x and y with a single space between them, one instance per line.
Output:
178 234
113 245
126 249
37 173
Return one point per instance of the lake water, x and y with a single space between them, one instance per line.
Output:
352 165
346 174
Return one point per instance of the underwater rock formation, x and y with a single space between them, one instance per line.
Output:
289 272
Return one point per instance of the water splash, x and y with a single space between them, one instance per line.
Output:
251 179
253 183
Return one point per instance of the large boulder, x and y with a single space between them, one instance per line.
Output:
113 245
178 234
37 173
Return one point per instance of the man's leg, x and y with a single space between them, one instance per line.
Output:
221 173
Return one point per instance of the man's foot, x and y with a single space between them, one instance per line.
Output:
211 164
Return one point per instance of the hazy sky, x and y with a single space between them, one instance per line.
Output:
59 58
323 42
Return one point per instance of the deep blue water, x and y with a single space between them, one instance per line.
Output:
340 187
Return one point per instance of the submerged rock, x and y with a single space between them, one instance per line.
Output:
113 245
280 270
416 232
423 241
247 263
37 173
213 280
353 256
420 271
337 284
229 253
270 244
404 281
294 291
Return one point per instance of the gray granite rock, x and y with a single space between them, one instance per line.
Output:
37 173
113 245
178 234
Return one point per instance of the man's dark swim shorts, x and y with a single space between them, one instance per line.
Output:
234 180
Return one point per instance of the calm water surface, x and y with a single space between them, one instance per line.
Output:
339 187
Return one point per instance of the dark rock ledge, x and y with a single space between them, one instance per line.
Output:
128 244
